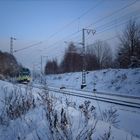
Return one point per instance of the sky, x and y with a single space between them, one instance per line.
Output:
51 23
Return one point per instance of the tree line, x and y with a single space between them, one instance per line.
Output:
9 66
99 55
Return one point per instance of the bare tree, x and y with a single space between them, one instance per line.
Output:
103 53
129 48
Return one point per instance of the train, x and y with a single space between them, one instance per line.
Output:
24 76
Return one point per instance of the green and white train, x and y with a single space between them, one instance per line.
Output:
24 76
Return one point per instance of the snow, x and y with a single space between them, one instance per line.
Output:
83 116
113 81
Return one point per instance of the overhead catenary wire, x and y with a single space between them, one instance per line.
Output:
110 38
64 27
114 12
115 25
119 19
104 30
76 19
111 14
98 33
108 28
112 26
35 44
118 10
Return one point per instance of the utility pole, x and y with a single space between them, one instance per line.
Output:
42 72
84 54
11 44
83 58
41 68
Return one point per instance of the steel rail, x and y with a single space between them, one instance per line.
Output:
95 96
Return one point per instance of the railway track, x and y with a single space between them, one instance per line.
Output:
103 97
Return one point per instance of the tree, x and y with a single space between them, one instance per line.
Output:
51 67
8 64
91 60
72 60
129 48
102 54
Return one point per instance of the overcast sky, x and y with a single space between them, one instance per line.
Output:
55 21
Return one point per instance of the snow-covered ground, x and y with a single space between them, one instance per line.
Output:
116 81
29 113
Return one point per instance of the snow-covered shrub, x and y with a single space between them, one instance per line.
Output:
61 124
51 116
56 121
110 116
106 135
70 103
87 109
15 104
87 132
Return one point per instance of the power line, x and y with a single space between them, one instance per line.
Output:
114 25
62 51
118 10
98 33
115 12
64 27
76 19
122 17
57 54
112 28
28 46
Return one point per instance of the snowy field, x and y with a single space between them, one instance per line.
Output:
28 113
114 81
